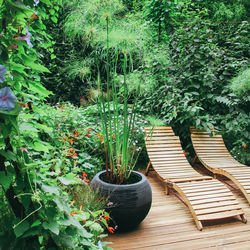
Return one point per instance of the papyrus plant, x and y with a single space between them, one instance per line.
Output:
118 123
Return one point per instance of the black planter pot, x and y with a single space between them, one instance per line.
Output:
130 202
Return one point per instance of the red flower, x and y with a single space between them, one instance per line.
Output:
89 129
185 153
106 218
73 213
111 230
84 221
71 141
114 136
75 154
66 138
244 146
101 140
70 150
98 135
84 174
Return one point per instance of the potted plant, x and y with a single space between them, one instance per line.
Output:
128 191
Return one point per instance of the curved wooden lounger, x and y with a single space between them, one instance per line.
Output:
206 198
213 154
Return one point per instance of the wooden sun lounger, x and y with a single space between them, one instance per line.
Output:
206 198
213 154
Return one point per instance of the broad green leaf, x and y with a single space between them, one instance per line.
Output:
53 226
5 180
66 181
84 233
50 189
40 146
21 228
9 155
96 228
27 126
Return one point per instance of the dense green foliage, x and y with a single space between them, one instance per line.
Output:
40 172
188 59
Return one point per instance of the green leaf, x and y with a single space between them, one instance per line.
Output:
40 146
50 189
52 226
66 181
40 238
9 155
36 223
39 89
46 2
27 126
54 19
96 228
5 180
21 228
37 67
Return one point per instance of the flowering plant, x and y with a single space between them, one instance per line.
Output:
118 125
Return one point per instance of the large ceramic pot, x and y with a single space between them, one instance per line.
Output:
130 202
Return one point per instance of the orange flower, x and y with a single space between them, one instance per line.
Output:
89 129
244 146
34 16
114 136
111 230
84 174
75 154
71 141
86 136
70 150
106 218
84 221
71 155
76 134
66 138
89 134
134 130
98 135
101 140
73 213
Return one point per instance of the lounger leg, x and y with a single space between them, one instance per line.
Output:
199 225
147 169
166 189
244 219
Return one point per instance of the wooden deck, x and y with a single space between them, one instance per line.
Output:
169 225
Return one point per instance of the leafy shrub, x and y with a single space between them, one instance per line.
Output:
241 84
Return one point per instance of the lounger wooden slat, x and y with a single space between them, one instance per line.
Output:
205 197
220 163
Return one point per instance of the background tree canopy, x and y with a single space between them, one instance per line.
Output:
190 59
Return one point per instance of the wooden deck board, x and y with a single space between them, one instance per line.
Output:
169 225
